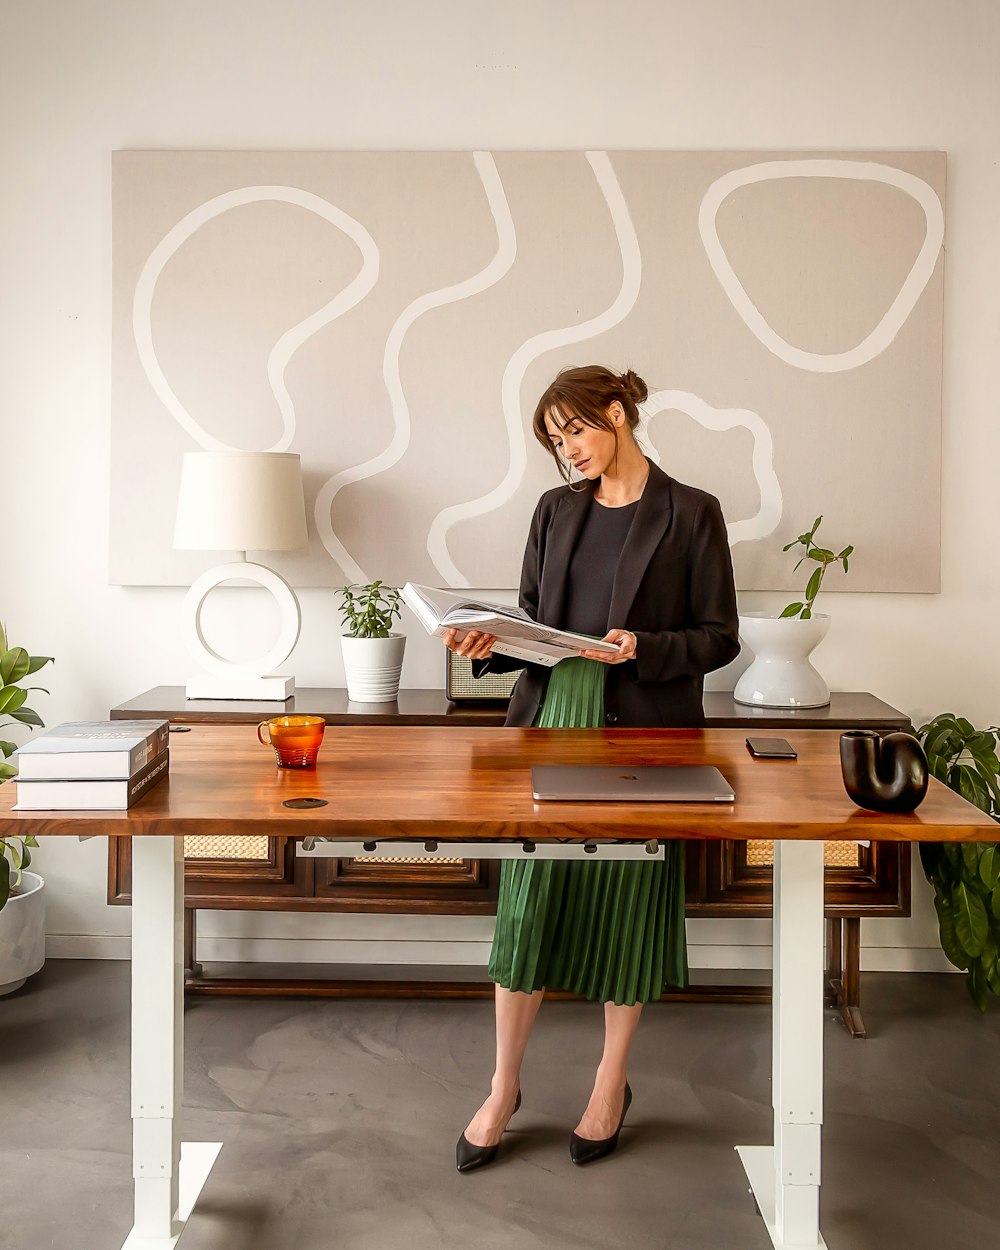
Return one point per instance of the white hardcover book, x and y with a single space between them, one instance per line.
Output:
92 750
516 633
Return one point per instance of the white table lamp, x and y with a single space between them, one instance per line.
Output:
240 501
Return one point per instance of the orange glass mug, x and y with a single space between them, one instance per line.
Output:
295 739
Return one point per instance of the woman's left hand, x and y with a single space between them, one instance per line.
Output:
623 640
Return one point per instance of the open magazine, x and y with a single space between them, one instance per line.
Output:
517 635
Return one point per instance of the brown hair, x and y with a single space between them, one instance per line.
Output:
585 394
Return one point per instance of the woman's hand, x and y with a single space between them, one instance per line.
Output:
623 640
474 645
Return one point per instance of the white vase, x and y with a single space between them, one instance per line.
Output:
22 933
372 667
781 674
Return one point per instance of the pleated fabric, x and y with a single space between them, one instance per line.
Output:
611 930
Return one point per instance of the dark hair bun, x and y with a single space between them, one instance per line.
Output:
634 387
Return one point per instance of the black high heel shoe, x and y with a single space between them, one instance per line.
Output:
469 1157
583 1150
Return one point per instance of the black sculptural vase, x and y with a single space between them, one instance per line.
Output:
883 774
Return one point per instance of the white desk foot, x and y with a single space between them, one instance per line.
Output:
197 1160
758 1163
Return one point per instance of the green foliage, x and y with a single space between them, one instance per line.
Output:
966 877
823 558
369 611
15 665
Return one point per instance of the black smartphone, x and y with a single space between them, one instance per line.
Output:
771 749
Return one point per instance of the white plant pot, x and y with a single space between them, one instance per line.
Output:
781 674
372 667
22 933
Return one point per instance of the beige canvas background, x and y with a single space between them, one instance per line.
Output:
598 258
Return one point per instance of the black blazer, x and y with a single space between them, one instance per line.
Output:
673 589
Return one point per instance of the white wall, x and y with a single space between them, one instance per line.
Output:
79 80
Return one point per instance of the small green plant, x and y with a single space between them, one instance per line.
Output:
824 558
15 665
966 876
369 611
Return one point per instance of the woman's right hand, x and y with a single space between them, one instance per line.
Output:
474 645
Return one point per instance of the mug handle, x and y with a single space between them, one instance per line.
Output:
260 734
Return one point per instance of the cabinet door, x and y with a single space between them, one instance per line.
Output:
398 883
225 872
735 879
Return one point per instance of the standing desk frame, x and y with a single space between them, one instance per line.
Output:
420 787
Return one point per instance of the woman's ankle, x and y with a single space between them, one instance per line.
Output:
505 1086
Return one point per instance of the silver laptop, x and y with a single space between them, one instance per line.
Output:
644 783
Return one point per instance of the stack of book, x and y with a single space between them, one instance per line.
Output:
92 765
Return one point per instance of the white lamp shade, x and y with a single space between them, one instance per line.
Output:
240 501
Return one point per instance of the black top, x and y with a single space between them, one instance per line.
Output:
591 575
673 589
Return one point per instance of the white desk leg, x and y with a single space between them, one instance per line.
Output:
785 1178
167 1177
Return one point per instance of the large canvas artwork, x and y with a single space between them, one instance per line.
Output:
393 316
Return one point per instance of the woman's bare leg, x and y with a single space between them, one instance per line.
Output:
605 1107
515 1014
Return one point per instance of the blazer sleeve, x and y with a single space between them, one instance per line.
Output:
710 638
531 576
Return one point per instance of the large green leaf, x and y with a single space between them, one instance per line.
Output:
949 939
11 698
27 717
812 586
39 661
971 924
7 771
7 748
793 609
989 867
970 857
13 665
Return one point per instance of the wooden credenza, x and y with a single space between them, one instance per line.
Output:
724 879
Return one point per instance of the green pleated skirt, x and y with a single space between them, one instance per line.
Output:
611 930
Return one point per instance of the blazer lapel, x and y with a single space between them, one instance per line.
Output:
652 518
563 533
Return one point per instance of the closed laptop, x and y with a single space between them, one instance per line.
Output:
645 783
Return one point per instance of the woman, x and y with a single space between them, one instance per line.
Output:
632 556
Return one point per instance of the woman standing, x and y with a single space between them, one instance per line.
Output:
632 556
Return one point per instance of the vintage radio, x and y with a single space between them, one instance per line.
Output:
461 686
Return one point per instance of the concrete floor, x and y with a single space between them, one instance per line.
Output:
339 1121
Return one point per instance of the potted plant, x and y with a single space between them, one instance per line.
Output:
966 876
22 901
373 654
781 674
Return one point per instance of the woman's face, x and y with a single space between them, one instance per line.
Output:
589 449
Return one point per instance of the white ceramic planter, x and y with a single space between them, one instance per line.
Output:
781 674
372 667
22 933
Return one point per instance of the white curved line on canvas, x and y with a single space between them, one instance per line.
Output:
765 520
289 342
510 389
501 262
900 308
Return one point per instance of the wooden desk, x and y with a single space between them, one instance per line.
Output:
427 785
724 880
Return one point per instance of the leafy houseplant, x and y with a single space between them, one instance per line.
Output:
15 665
966 876
369 610
373 654
823 558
